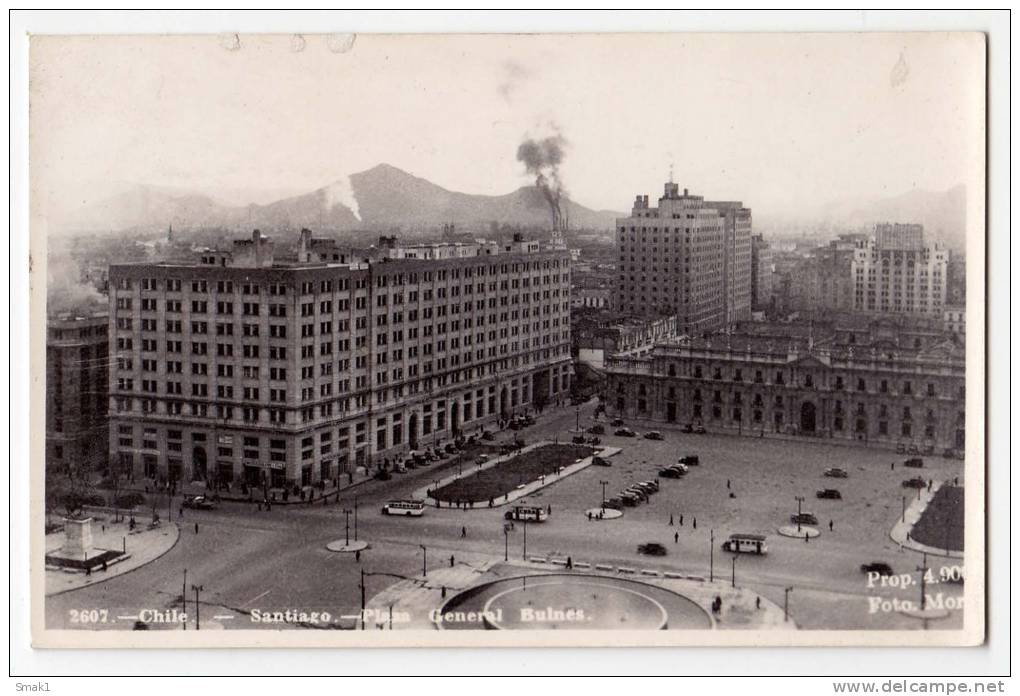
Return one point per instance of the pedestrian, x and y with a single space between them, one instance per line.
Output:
956 480
104 565
196 528
570 563
892 466
451 560
676 537
357 556
104 528
695 522
757 602
589 515
180 512
830 525
727 484
549 509
88 570
671 519
929 485
806 536
463 532
259 504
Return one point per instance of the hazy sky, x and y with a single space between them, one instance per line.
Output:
779 121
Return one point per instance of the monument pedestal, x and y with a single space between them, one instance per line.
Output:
77 539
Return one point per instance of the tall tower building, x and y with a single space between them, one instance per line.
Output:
898 272
761 273
688 257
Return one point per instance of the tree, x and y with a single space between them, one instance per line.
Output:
79 490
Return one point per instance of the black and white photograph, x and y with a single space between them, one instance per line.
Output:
664 339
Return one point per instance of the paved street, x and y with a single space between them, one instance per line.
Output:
277 560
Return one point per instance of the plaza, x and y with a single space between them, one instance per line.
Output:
274 561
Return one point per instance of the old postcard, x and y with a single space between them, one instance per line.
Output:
507 340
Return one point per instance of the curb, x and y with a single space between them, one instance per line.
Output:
111 577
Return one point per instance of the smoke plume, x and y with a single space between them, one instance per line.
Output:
542 159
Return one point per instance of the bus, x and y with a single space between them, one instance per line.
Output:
527 513
414 508
746 543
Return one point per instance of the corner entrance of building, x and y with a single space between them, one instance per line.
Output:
807 417
198 464
455 419
412 431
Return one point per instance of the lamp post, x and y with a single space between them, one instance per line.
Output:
424 563
786 603
924 571
506 541
184 599
711 555
347 526
733 572
604 484
525 555
903 514
197 589
799 499
579 419
355 518
362 586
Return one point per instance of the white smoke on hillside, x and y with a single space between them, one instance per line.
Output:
341 192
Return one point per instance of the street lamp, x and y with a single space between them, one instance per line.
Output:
604 484
525 555
903 514
355 518
184 599
424 564
733 572
347 526
711 555
197 589
786 603
506 541
799 499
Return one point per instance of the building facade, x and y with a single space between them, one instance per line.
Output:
898 272
77 394
867 386
761 274
687 257
288 373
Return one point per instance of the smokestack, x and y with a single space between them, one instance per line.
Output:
542 158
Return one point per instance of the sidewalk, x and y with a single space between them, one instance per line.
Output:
143 546
900 533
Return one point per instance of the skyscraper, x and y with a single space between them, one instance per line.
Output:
898 272
688 257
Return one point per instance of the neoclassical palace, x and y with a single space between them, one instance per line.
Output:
877 383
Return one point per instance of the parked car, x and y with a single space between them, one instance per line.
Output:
648 486
629 499
600 461
836 473
578 439
653 435
638 493
597 429
616 422
804 518
914 483
699 429
829 494
682 468
615 503
880 567
690 460
670 472
625 432
914 463
199 502
652 549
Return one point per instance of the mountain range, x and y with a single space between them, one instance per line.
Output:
378 199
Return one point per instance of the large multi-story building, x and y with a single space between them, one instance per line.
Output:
877 383
291 372
77 373
689 257
898 272
761 274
